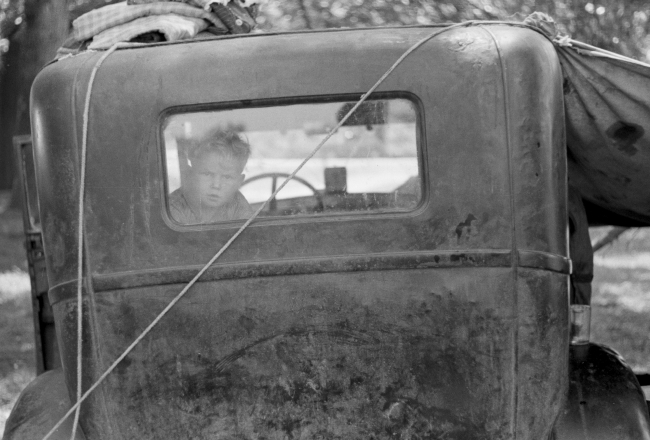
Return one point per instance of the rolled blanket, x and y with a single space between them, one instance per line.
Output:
237 15
203 3
173 27
92 23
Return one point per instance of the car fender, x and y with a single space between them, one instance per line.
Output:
605 400
39 407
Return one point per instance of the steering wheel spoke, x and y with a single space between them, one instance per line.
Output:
273 203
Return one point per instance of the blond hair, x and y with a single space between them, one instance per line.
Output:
226 143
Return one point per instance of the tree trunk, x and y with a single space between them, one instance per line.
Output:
46 25
305 14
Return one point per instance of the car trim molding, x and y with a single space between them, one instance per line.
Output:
314 265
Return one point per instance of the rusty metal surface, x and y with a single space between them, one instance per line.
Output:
460 349
536 135
356 263
542 357
316 356
468 127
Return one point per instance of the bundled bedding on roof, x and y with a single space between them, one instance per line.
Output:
154 20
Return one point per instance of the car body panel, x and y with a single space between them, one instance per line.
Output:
449 320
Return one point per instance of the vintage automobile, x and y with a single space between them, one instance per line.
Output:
412 281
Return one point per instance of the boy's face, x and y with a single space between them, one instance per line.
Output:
214 180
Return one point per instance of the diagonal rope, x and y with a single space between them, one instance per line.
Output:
182 293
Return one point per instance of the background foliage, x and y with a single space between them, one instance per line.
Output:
32 30
617 25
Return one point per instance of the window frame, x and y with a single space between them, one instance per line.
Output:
420 144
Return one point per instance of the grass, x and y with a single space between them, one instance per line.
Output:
17 359
620 306
621 297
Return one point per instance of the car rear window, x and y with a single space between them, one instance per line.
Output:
222 164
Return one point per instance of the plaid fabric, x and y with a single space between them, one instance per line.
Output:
237 15
98 20
174 27
144 2
205 4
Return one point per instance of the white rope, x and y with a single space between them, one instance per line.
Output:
109 370
80 222
597 51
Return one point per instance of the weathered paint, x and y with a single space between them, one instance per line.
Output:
448 321
406 354
465 124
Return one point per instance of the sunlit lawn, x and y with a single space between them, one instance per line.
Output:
621 297
16 326
17 336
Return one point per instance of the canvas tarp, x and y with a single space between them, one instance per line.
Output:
607 110
607 105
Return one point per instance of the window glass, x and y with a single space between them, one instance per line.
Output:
222 165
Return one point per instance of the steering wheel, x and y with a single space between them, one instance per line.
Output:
273 203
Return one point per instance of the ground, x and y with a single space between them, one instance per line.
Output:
621 297
621 305
17 357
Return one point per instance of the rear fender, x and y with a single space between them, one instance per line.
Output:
39 407
605 399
